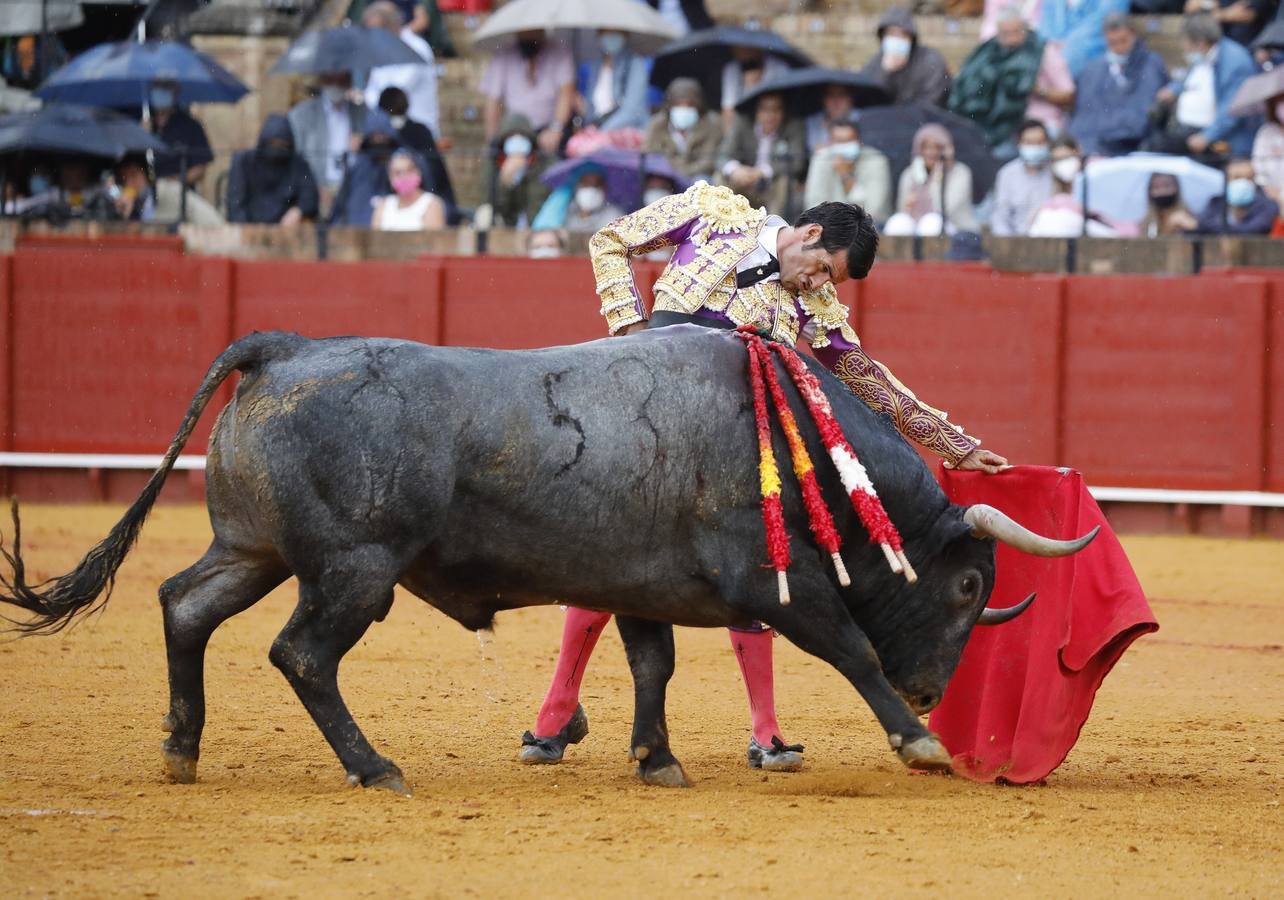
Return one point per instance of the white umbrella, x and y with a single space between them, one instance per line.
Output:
1117 187
645 29
25 16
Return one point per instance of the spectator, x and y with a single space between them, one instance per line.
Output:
1115 93
409 207
910 72
418 82
1195 111
271 184
836 107
846 170
326 129
686 135
1268 150
131 191
934 195
589 210
766 157
366 179
515 182
21 67
684 15
535 78
1014 76
1061 215
1166 214
415 136
615 92
1245 209
657 187
748 68
180 132
1241 20
1074 26
1024 183
547 243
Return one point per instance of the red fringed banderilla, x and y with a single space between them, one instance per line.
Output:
855 480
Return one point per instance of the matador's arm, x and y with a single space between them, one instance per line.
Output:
837 347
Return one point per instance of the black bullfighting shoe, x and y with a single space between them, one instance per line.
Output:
537 750
779 757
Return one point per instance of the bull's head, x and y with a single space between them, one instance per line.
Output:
920 632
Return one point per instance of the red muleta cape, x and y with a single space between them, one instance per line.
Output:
1023 690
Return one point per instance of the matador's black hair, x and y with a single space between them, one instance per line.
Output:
846 226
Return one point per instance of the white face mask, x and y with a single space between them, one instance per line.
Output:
332 93
590 199
847 149
1066 169
895 45
398 122
545 253
653 194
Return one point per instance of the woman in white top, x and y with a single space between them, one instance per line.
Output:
409 207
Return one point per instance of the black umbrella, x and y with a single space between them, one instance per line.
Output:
891 130
804 90
702 54
350 48
68 128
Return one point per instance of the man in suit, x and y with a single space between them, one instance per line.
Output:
765 158
326 129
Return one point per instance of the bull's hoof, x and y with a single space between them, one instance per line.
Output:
925 753
391 781
538 750
671 775
168 724
779 757
180 769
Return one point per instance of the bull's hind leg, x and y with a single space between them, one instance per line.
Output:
195 602
331 617
649 646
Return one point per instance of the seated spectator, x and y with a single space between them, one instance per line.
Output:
578 205
910 72
846 170
183 134
367 177
615 87
535 78
657 187
1241 20
409 207
547 243
1245 208
326 129
271 184
133 199
836 107
1195 111
514 185
1023 184
418 82
686 135
1268 150
415 136
1114 94
1166 214
934 196
1014 76
1061 215
1074 27
765 158
79 193
748 68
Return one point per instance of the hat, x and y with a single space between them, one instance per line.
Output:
965 246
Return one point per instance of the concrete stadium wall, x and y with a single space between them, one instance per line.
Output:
1174 382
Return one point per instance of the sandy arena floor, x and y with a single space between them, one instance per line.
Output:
1173 790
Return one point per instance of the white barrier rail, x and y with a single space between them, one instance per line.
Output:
197 463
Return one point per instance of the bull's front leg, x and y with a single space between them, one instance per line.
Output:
839 641
649 646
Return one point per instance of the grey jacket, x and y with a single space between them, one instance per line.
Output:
311 138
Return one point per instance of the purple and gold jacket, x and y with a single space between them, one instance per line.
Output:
712 229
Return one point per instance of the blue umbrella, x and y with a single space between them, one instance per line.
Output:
623 170
118 75
68 128
346 49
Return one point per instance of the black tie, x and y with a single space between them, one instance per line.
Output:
750 277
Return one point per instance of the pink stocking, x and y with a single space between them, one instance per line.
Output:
579 636
753 652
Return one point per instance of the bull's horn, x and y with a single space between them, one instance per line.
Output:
986 521
999 616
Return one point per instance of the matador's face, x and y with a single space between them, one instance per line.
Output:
807 266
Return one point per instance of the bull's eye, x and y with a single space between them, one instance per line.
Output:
968 585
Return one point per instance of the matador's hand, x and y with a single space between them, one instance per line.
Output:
982 460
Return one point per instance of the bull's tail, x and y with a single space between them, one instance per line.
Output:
56 602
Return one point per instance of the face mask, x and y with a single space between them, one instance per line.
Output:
529 49
545 253
894 45
161 98
683 117
1066 169
38 184
847 149
406 183
590 199
517 145
752 65
1240 192
1164 201
1193 59
611 44
651 195
332 93
380 153
1033 154
398 122
1115 59
276 154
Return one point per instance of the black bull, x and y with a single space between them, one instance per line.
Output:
618 475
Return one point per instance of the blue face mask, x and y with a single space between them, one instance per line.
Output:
1240 192
161 98
38 184
517 145
1033 154
611 44
683 117
895 45
1116 59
